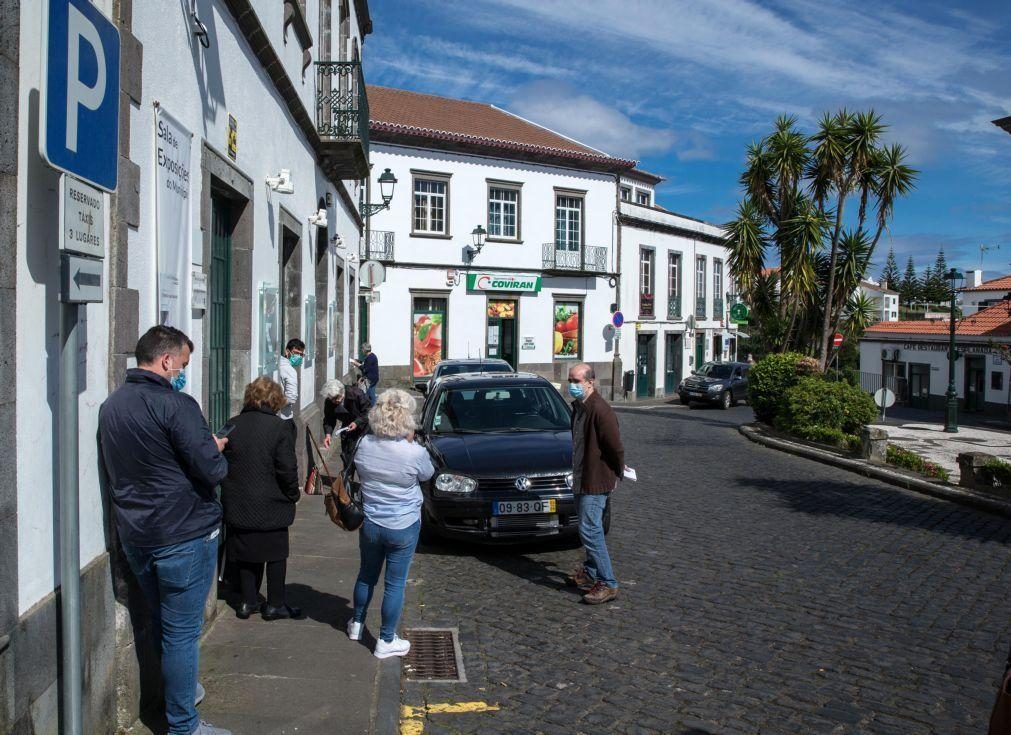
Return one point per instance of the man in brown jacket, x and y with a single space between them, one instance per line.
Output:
598 462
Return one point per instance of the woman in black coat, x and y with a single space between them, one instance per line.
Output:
259 497
349 406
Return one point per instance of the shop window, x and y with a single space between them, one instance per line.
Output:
428 330
568 319
997 380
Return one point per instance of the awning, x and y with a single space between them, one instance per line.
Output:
742 335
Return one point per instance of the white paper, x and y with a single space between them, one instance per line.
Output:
630 474
342 430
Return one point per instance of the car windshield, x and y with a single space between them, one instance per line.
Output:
500 409
484 367
715 370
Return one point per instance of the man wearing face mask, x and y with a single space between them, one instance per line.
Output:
598 462
162 465
294 353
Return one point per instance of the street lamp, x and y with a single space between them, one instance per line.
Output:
477 236
387 182
954 278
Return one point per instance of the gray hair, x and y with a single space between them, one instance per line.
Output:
393 415
333 390
366 347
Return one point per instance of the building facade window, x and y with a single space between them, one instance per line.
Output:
568 223
646 260
673 285
700 287
567 323
642 197
503 212
996 380
428 329
626 194
431 206
717 289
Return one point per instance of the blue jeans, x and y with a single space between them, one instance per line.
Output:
175 581
371 393
591 532
396 548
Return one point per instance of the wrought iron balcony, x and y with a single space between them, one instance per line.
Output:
342 119
673 306
700 307
378 247
646 304
717 308
590 259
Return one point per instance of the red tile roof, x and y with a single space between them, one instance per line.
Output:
990 322
997 284
398 111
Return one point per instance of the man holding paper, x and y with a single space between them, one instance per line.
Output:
598 462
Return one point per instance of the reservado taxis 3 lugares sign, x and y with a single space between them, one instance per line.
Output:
492 282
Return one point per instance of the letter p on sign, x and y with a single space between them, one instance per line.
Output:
79 133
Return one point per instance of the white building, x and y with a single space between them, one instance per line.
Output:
979 294
913 355
886 300
563 250
214 101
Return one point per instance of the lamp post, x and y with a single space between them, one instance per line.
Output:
954 278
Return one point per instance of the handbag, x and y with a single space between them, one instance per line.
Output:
313 483
1000 718
343 502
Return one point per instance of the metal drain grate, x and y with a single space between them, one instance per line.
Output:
435 656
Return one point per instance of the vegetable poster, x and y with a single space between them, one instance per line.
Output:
427 342
566 334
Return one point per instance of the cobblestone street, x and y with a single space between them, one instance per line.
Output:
760 593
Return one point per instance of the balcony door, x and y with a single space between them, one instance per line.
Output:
568 231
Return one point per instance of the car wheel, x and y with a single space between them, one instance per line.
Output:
683 399
726 401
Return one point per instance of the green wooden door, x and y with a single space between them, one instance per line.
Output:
700 350
672 363
220 335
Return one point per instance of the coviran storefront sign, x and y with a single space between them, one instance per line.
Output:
489 282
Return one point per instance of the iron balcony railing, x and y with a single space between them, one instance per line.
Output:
342 116
590 259
717 308
673 306
646 304
379 246
700 307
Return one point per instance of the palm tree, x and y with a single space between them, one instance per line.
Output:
860 313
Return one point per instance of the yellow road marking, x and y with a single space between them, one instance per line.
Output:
412 719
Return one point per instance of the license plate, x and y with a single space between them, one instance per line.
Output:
695 393
522 507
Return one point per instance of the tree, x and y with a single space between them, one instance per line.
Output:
861 312
796 188
940 286
890 275
910 284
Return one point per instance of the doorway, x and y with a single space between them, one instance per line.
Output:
502 330
291 286
975 383
919 385
717 348
219 367
672 363
700 350
645 366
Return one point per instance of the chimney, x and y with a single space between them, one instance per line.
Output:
976 278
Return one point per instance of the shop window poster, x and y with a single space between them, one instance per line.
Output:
428 345
566 332
501 309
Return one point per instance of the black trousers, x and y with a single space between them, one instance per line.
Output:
251 577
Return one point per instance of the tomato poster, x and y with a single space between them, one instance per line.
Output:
427 342
566 334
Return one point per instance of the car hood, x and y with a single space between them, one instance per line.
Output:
701 380
504 455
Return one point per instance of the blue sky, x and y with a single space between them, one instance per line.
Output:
683 86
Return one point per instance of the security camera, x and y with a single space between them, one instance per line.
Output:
319 219
281 183
337 241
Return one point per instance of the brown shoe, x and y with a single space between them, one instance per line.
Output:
579 578
600 593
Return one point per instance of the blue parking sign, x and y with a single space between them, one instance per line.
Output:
79 131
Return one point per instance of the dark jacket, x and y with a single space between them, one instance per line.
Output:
261 489
354 408
603 453
161 461
370 368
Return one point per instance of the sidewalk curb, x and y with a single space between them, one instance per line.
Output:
388 697
944 492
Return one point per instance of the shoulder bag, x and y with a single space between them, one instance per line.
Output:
343 502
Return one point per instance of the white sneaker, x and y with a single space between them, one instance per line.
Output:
355 630
397 647
200 694
205 728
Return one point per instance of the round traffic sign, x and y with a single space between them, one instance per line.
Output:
618 319
837 340
371 274
884 398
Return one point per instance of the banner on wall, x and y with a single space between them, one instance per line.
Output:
173 232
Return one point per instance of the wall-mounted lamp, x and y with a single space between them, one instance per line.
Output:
281 183
319 219
387 182
477 238
329 199
198 28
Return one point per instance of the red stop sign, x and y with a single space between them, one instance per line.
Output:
837 340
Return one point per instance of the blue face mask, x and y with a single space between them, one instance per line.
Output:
295 360
576 390
179 381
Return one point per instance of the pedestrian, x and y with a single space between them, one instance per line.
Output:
294 353
259 496
163 464
369 366
346 404
598 462
391 467
751 359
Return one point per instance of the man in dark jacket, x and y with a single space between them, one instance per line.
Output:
163 464
598 462
369 365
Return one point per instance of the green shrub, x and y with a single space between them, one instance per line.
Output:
768 382
997 473
912 461
815 404
834 437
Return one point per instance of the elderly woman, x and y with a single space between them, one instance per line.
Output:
259 496
391 468
346 405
